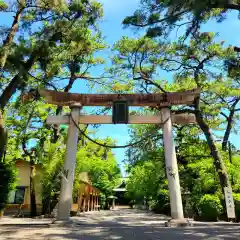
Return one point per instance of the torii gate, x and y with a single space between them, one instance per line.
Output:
77 101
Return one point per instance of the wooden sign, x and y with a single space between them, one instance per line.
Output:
161 100
229 202
133 119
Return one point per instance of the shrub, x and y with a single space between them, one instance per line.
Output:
209 207
161 204
236 197
7 183
103 201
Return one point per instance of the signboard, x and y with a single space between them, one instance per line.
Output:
157 99
229 202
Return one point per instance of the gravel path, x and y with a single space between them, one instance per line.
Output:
119 224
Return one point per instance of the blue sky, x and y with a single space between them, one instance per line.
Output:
114 13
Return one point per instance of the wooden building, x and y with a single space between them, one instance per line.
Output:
120 193
88 198
19 200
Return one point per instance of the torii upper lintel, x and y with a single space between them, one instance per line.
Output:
156 99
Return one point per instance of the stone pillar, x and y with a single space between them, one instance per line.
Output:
113 203
65 199
171 166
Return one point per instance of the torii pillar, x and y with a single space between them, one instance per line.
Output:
172 167
65 200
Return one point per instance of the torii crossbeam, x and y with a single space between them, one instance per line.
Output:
164 101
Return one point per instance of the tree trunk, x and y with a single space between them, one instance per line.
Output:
3 57
229 125
26 66
3 138
218 161
15 82
8 41
33 206
228 131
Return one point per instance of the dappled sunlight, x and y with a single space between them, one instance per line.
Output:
118 224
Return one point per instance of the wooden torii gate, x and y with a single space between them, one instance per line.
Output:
164 101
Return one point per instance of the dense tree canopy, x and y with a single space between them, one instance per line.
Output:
160 17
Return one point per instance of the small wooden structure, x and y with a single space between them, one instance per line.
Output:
88 196
120 192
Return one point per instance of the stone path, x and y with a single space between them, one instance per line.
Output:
124 224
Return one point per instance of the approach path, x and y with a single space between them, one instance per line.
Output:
122 223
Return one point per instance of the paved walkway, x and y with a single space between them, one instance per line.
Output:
124 224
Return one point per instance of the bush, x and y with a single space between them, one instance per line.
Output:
103 201
236 197
162 204
7 183
209 207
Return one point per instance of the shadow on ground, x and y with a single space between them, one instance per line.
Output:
126 225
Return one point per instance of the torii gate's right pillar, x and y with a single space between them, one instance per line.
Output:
172 168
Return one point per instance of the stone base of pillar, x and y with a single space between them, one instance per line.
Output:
178 223
66 223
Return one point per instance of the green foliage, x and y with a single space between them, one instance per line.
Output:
197 174
3 5
145 179
236 197
52 164
7 182
209 207
103 201
162 203
102 169
54 44
191 64
101 166
166 15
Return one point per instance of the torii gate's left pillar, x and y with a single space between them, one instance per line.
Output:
65 200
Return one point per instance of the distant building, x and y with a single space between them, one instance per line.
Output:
120 193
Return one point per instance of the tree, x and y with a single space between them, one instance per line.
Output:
61 48
52 159
147 176
197 176
160 17
26 128
58 24
191 65
22 8
101 165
